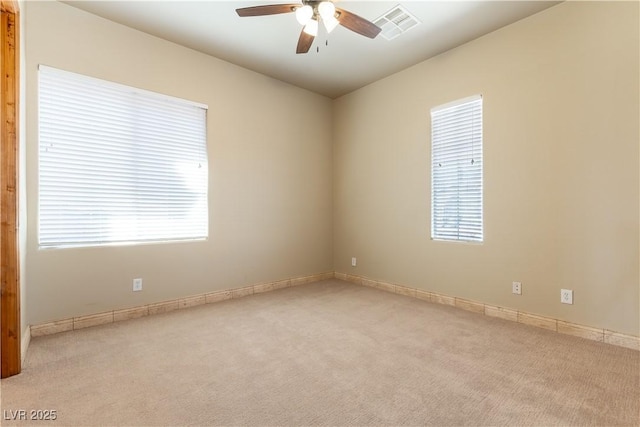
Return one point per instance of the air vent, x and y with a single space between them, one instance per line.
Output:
396 21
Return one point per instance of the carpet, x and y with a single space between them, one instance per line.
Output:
328 353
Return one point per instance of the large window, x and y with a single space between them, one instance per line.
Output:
117 164
456 171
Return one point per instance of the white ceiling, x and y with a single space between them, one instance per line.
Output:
267 44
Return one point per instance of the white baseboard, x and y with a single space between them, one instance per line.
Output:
24 345
556 325
72 323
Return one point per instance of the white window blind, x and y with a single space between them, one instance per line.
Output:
456 171
118 164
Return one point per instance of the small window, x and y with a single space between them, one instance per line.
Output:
118 165
456 171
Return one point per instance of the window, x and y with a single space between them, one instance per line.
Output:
118 165
456 171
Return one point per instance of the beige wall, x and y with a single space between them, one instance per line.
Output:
561 148
270 187
561 170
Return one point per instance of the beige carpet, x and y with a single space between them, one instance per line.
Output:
328 353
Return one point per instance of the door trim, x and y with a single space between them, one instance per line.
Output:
10 325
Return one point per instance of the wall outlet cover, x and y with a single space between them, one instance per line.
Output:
353 262
566 296
137 285
516 288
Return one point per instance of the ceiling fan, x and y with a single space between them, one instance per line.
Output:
309 13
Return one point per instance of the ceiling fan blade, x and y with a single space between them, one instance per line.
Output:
271 9
357 24
304 42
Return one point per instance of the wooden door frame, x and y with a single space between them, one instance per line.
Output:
10 325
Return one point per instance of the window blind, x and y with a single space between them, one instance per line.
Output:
118 164
456 171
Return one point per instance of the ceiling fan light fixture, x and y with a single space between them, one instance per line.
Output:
311 28
330 24
327 10
304 14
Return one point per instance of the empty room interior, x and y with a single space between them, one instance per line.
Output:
379 213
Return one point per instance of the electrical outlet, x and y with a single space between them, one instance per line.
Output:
566 296
353 262
137 285
516 288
